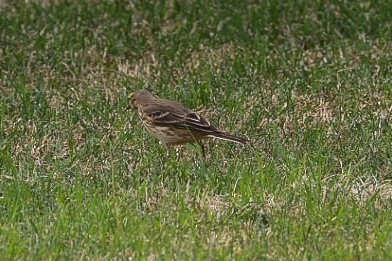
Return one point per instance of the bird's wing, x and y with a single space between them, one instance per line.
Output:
177 116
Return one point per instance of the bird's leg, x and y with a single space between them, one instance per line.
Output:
202 149
202 165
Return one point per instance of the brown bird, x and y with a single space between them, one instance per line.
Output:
174 124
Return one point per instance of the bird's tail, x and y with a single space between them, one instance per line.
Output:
229 137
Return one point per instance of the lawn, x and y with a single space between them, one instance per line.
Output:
308 82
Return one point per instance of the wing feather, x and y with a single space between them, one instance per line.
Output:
177 116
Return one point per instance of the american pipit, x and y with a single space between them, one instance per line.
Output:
174 124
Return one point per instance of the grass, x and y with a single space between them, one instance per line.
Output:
308 81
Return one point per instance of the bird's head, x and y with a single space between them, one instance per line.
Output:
138 97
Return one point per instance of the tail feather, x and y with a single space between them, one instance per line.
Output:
229 137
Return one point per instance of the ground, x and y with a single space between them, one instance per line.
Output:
308 82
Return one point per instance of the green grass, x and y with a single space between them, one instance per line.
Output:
309 82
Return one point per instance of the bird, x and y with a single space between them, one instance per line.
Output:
174 124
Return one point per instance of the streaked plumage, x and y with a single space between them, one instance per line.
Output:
172 123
